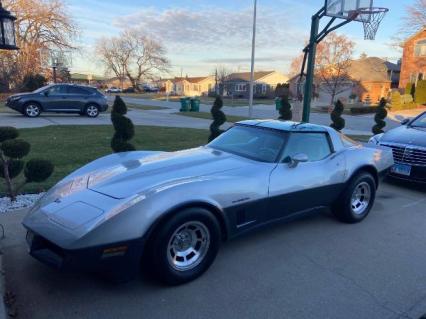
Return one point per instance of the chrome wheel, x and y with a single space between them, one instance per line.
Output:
32 110
361 198
188 246
92 111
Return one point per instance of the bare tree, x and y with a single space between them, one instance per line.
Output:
133 55
41 25
413 21
221 75
333 61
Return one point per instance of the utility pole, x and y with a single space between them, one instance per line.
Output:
253 48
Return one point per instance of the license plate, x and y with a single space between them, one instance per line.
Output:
401 169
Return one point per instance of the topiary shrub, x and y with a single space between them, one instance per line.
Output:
380 116
285 110
420 94
336 116
408 88
123 126
396 103
12 150
406 98
219 118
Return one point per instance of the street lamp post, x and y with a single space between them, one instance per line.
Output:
7 30
253 49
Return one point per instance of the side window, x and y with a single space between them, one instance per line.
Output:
57 90
315 145
77 90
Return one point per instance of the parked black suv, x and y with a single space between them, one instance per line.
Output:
60 98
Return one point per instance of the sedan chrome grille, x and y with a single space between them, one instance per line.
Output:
407 154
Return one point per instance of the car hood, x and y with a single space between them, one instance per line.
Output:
406 135
20 95
167 168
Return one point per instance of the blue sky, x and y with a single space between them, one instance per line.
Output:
201 34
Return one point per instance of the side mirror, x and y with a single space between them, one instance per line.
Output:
296 159
405 121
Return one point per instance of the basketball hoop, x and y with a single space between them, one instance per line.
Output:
371 19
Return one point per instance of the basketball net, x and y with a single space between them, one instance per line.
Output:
371 19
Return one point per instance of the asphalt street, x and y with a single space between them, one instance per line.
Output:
315 267
360 124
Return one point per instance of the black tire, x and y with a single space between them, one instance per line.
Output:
349 209
162 262
91 110
32 109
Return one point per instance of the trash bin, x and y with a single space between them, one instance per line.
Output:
184 104
195 105
278 103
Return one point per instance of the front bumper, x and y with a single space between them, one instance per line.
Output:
417 174
119 260
14 105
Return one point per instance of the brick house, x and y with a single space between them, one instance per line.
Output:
413 66
371 78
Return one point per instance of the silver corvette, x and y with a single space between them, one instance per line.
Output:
172 210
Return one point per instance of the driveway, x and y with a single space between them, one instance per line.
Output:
311 268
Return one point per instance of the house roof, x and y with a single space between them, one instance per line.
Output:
245 76
192 79
369 69
85 77
415 34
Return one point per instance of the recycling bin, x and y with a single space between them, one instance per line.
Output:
185 104
195 105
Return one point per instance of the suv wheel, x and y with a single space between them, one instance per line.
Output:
32 110
92 110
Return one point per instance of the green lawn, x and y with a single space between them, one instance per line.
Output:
208 116
145 107
70 147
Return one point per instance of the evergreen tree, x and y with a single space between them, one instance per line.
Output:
285 111
219 118
12 152
123 126
381 114
336 116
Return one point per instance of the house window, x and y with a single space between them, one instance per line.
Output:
240 87
263 88
420 48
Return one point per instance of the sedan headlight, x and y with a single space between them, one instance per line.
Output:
14 98
375 139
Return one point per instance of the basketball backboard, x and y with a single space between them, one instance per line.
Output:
345 9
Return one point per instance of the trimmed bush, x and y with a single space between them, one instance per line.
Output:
12 150
396 103
219 119
15 148
123 126
336 116
408 88
285 111
420 94
381 114
38 170
8 133
406 98
32 82
15 168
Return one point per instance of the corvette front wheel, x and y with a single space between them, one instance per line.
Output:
185 246
357 200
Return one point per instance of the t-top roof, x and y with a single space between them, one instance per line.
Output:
287 126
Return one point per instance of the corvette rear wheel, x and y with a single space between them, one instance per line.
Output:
185 246
356 201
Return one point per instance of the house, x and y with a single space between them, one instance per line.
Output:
370 79
413 65
87 79
188 86
265 82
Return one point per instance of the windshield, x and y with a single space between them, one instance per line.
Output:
259 144
420 121
42 89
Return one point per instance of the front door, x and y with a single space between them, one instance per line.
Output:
308 185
